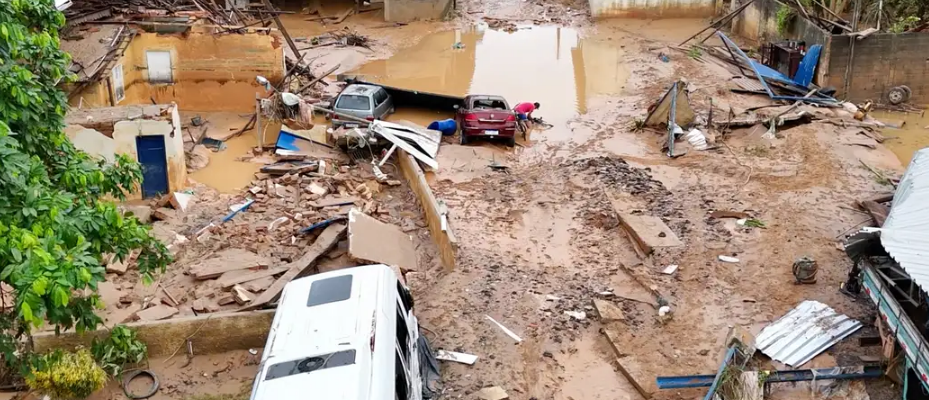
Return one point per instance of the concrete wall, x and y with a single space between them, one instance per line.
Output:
412 10
105 138
210 72
445 241
758 24
881 61
212 334
652 8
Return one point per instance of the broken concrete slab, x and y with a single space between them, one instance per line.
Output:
259 284
375 241
241 295
648 232
181 201
117 267
492 393
207 304
164 214
326 240
334 201
608 311
232 280
122 315
156 313
142 212
225 261
631 367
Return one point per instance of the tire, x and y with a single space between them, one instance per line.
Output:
510 142
463 139
897 95
909 92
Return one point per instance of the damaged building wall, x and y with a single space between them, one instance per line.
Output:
106 132
758 23
412 10
198 71
207 72
652 8
880 62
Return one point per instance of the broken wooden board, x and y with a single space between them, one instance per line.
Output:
608 311
233 280
375 241
334 201
877 211
225 261
648 232
258 285
323 243
631 367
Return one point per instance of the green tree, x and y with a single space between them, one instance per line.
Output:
56 221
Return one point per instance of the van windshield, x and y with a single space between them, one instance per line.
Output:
353 102
310 364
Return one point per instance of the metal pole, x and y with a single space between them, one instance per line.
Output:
258 121
851 48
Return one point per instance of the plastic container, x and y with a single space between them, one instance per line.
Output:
446 126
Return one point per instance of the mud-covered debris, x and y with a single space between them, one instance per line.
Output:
728 259
492 393
156 313
463 358
608 311
181 201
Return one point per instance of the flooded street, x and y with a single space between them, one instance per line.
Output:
912 136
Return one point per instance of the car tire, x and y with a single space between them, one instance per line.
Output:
463 139
510 142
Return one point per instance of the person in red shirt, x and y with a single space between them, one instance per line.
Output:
524 114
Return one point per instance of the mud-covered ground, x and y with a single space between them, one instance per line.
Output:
544 238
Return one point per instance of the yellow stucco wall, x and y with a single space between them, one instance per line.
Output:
209 72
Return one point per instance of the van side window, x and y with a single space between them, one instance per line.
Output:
401 382
403 334
405 296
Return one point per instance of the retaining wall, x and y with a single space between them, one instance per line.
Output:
881 62
412 10
445 241
210 334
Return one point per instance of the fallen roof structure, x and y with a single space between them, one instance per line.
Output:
905 233
804 332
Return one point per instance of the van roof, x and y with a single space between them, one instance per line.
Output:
311 321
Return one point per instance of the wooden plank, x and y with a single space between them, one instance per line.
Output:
225 261
326 241
250 276
876 210
630 367
648 232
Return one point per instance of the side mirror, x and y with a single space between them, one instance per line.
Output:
456 107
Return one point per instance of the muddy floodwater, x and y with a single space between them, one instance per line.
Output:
554 66
905 141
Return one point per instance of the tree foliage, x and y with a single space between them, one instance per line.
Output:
55 220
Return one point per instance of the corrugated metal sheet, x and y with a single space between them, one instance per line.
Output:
905 234
804 332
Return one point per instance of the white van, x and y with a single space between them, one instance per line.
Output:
348 334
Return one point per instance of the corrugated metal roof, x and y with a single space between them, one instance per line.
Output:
804 332
905 234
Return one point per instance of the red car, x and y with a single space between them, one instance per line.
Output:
486 116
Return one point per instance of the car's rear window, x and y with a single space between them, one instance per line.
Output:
489 103
330 290
353 102
310 364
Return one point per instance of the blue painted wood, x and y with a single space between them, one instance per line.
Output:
693 381
154 162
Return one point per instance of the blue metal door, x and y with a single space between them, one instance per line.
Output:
154 162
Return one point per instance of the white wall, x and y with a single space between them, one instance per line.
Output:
652 8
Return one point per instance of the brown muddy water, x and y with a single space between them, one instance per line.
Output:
905 141
554 66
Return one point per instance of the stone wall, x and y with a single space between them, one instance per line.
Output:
412 10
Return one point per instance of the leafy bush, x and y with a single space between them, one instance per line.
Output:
785 15
55 220
65 375
119 349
